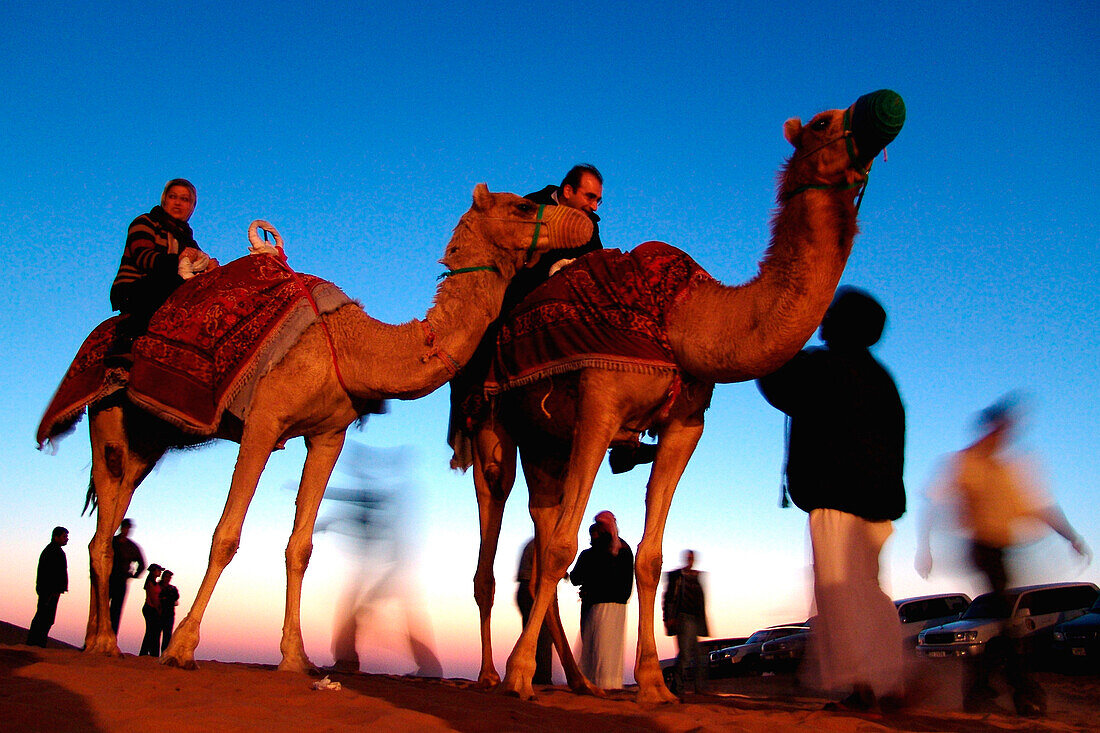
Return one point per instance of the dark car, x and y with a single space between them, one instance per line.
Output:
784 653
706 646
746 657
1079 638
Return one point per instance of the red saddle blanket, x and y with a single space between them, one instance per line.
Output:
205 350
605 310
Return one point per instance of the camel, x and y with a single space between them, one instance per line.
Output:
307 395
563 424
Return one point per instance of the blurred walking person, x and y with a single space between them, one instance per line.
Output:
684 610
999 501
128 563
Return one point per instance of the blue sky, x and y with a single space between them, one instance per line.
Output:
360 130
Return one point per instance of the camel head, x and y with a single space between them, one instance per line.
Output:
506 232
836 148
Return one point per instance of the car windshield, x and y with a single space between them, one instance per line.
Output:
757 638
988 606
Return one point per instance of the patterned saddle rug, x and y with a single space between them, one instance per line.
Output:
605 310
205 350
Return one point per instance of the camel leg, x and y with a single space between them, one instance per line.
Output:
494 475
321 454
117 470
256 447
556 529
674 448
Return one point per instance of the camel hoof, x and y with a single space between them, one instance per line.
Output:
301 665
584 687
656 695
173 661
516 689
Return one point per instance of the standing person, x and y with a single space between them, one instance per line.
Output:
684 610
127 555
52 580
150 644
160 254
999 502
844 468
169 599
605 573
524 599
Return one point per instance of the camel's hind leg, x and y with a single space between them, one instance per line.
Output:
676 444
494 475
321 454
256 447
117 469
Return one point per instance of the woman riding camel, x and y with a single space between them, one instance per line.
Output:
160 254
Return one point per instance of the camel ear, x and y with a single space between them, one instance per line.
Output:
481 196
792 128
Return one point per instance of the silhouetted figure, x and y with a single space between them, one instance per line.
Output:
844 468
380 528
128 563
999 501
169 599
150 644
50 582
524 599
684 610
605 573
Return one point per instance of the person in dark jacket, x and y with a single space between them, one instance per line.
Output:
52 580
169 599
581 189
160 254
844 468
128 563
605 573
684 610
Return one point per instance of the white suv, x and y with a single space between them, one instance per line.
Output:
1029 612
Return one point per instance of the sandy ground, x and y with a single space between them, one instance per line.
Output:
62 689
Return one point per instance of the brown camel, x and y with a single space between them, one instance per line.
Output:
564 424
305 396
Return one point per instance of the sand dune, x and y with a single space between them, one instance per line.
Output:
63 689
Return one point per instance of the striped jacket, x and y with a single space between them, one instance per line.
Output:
153 245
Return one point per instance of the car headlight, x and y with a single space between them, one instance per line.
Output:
1059 636
966 636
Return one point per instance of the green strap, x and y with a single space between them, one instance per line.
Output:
535 238
463 270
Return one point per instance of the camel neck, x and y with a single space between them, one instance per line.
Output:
729 334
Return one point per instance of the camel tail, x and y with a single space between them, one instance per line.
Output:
90 504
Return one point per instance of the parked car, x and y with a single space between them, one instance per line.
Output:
706 646
1028 612
924 612
746 657
1079 638
784 653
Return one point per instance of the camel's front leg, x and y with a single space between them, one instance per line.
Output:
556 526
117 469
494 474
256 446
676 444
321 454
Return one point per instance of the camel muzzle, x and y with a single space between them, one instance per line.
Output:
874 120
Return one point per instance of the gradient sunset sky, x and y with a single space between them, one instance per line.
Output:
360 129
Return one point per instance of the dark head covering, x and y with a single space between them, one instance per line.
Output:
855 319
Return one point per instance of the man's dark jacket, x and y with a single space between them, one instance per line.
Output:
847 441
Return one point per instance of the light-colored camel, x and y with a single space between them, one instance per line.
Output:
304 396
563 425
